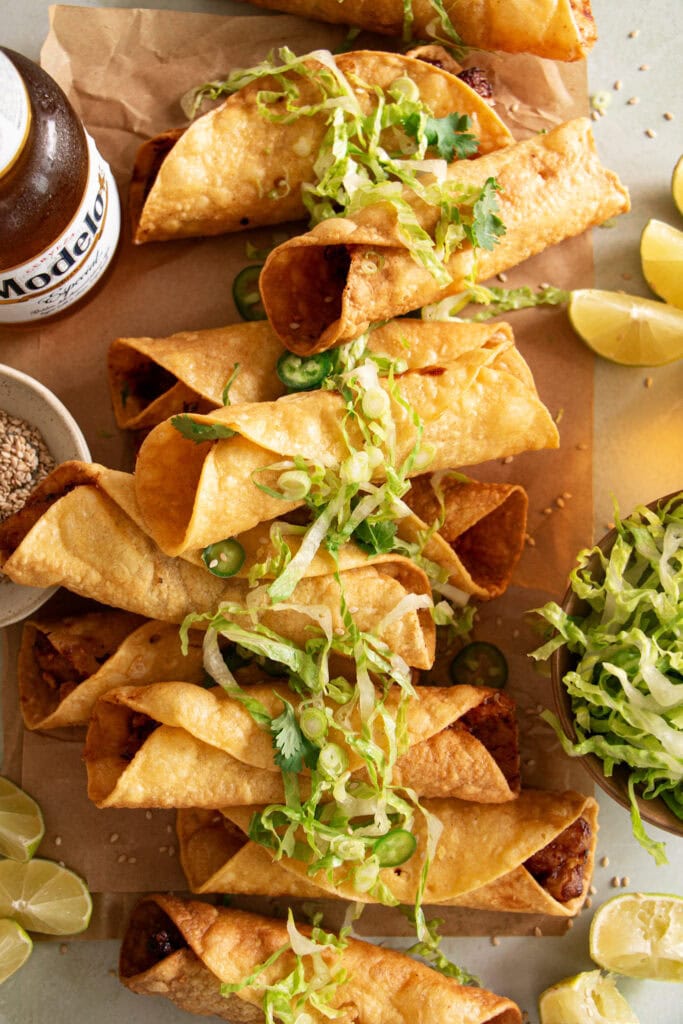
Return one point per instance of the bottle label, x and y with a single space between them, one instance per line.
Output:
15 113
73 263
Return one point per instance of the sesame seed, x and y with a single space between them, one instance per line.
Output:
626 276
507 460
121 859
668 116
294 327
651 133
592 890
58 840
632 101
495 941
61 863
634 33
547 511
560 502
582 446
132 860
169 828
570 923
615 882
171 851
537 932
530 763
604 862
163 849
499 621
625 881
589 903
595 116
514 107
644 67
148 815
648 382
618 85
567 495
530 541
503 276
63 948
114 837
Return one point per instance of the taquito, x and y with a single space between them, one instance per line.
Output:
66 663
177 745
481 406
530 855
207 181
184 950
80 529
151 379
552 187
557 29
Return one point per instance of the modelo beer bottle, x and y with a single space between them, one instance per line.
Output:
60 215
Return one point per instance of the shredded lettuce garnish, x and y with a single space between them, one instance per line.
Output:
627 687
429 950
380 155
495 300
198 432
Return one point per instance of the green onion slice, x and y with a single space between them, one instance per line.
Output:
303 373
224 558
246 294
480 664
395 848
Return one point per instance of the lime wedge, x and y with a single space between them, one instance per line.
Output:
21 822
640 935
44 897
627 329
588 998
661 257
15 948
677 185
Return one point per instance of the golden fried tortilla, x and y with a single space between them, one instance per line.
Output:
172 744
184 950
530 855
481 406
81 530
552 187
235 168
65 664
557 29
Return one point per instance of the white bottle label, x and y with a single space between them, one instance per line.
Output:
15 113
74 262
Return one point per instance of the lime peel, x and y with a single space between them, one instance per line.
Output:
15 948
640 935
43 896
21 822
627 329
661 257
587 998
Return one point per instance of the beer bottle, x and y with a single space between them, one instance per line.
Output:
60 214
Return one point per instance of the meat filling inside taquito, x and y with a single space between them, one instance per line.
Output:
209 750
534 854
185 949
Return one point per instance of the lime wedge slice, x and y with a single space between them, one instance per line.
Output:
677 185
588 998
640 935
21 822
661 257
627 329
15 948
44 897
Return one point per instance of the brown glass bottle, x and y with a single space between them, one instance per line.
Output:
59 208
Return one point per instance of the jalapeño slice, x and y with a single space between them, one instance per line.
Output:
246 294
224 558
395 848
480 664
303 373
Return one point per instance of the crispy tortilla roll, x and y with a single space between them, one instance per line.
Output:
552 187
206 181
65 664
177 745
482 535
481 406
558 29
184 950
151 379
81 530
530 855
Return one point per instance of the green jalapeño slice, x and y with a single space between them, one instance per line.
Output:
224 558
303 373
246 294
480 664
395 848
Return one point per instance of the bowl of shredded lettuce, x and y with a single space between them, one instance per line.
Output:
616 658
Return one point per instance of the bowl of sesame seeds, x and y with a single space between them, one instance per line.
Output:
37 433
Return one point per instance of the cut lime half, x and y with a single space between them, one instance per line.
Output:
44 897
627 329
15 948
21 822
661 257
677 185
588 998
640 935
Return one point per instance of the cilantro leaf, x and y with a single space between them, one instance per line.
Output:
375 538
225 397
486 225
199 432
449 135
293 749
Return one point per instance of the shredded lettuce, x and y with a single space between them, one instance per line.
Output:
626 688
495 300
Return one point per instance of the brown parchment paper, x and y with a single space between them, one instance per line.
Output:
125 71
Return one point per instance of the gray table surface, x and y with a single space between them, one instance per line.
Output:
637 428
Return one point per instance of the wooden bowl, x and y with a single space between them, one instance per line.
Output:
655 812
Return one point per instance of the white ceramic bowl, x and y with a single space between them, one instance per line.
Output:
22 396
